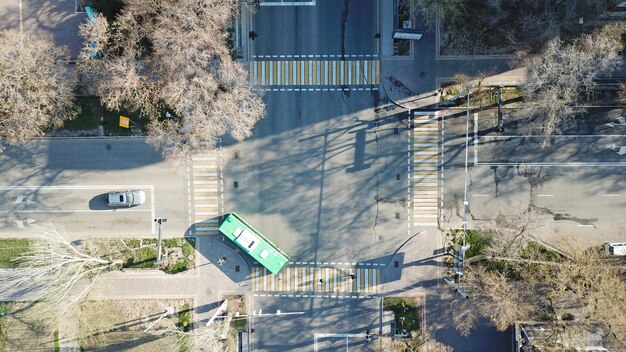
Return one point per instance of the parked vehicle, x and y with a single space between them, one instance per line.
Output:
125 198
616 249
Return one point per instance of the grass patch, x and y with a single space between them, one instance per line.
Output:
505 26
505 268
536 251
406 313
137 254
236 304
184 317
111 123
21 329
3 334
118 325
12 248
477 241
57 348
92 114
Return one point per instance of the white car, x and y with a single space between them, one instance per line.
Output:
125 198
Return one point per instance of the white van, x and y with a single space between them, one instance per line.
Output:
618 249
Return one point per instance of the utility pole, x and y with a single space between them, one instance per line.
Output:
465 246
159 221
500 118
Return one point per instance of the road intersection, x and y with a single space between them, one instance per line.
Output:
354 188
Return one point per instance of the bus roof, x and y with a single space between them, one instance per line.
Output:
254 243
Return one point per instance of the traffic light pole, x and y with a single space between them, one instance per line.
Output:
159 221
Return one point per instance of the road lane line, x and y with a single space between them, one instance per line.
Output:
106 211
64 187
610 195
545 195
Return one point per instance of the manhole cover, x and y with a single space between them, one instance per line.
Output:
109 147
380 238
422 74
208 291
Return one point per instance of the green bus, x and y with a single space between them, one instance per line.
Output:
254 243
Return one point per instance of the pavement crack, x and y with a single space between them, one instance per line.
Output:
377 201
344 18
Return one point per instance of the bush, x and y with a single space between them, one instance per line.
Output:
477 241
184 317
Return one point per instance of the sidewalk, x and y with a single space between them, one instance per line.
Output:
202 285
69 332
419 265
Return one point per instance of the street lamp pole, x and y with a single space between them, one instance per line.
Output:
465 245
159 221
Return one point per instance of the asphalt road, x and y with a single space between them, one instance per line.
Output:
313 324
576 184
321 176
329 27
64 181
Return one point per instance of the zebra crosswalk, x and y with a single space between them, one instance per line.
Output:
343 282
205 179
315 72
425 163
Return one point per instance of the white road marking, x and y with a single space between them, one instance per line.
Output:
545 195
84 211
62 187
610 195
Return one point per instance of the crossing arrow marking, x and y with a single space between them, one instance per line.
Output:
621 121
20 199
621 150
20 223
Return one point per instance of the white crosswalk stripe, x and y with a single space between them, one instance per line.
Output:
334 72
318 280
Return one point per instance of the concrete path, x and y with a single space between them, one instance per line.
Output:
206 284
69 332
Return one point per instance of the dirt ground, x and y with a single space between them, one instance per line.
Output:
118 325
20 331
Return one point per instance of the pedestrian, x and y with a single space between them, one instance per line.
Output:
352 276
321 281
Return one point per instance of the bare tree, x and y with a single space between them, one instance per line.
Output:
35 86
558 77
621 94
592 289
451 10
198 339
171 56
56 271
464 316
497 298
432 345
509 236
582 292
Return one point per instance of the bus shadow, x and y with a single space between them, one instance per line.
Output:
214 250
